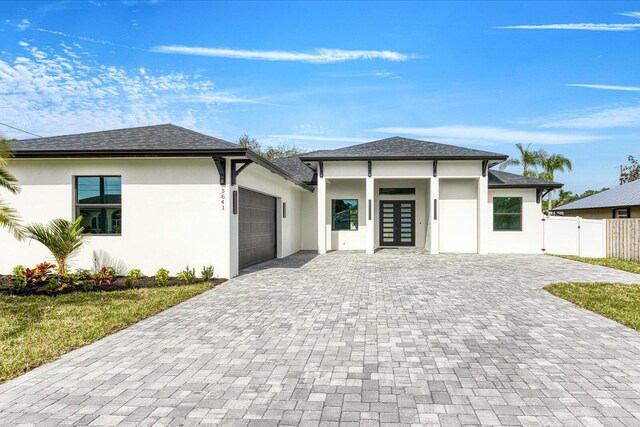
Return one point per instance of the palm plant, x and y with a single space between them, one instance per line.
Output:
529 160
9 218
550 165
63 239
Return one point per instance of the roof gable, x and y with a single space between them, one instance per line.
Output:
624 195
401 148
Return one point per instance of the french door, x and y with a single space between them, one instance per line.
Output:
397 223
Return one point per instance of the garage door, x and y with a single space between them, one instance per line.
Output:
257 227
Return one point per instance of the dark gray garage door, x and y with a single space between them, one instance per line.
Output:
257 227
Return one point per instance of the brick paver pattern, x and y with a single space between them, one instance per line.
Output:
400 337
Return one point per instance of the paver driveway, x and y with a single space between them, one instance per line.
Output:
397 337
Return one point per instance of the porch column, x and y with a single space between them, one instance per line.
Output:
370 210
483 215
434 243
321 189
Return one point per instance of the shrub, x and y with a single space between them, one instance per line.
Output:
83 279
112 272
207 273
18 279
162 277
102 277
188 275
132 277
53 286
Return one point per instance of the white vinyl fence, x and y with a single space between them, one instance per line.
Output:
575 236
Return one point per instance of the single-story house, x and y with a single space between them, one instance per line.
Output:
166 196
622 201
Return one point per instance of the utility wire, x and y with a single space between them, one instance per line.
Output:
21 130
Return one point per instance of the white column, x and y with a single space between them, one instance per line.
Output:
434 196
483 215
370 213
234 254
321 189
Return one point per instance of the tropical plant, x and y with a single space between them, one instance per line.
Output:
18 278
102 277
63 239
551 164
39 275
132 277
630 172
9 218
53 286
207 273
188 275
162 276
529 160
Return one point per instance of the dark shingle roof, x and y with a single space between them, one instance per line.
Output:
622 196
294 167
401 148
159 137
498 179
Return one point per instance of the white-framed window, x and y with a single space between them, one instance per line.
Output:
622 213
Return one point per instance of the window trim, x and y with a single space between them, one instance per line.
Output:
493 203
357 214
77 205
627 213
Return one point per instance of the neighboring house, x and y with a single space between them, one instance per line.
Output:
165 196
618 202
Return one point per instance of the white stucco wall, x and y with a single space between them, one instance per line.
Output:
458 215
171 213
529 240
346 239
309 221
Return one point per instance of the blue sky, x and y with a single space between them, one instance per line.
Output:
564 76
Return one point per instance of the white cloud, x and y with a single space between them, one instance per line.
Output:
631 14
488 135
579 27
23 25
289 137
55 91
607 87
317 56
606 117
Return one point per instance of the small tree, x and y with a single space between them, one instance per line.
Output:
9 218
63 239
270 152
630 172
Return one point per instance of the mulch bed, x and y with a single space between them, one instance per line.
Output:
116 285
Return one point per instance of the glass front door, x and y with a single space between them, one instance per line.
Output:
397 223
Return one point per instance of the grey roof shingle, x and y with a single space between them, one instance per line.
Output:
503 179
398 147
622 196
296 168
158 137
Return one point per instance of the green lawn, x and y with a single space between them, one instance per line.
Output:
38 329
618 264
616 301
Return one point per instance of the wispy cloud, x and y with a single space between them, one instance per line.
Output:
59 90
488 135
579 27
606 87
21 25
605 117
294 137
85 39
316 56
631 14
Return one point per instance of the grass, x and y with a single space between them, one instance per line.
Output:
618 264
616 301
38 329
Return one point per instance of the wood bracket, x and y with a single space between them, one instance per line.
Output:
321 168
485 167
235 172
435 168
221 164
369 167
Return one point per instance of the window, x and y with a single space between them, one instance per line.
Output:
622 213
344 214
99 202
397 191
507 213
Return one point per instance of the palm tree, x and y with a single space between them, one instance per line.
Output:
63 239
529 160
9 218
550 165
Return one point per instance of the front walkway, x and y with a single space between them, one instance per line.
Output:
395 337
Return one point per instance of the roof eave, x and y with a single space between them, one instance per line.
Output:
554 185
564 208
344 158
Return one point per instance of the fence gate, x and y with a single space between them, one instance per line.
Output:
574 236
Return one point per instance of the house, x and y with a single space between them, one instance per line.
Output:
618 202
165 196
